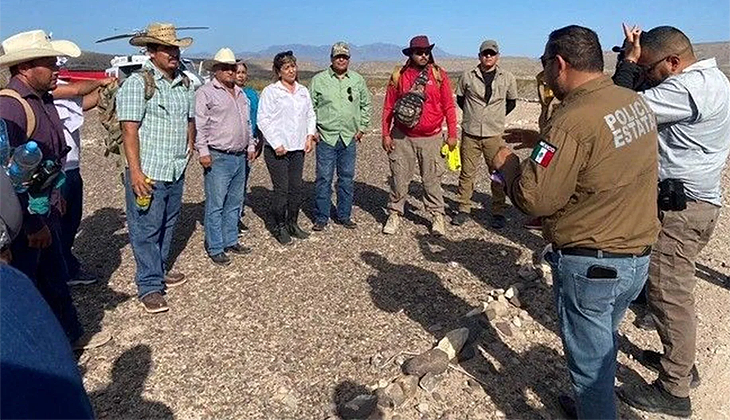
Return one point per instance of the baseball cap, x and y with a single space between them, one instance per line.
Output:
489 44
340 48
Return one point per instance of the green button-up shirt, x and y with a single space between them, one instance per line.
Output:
163 129
342 105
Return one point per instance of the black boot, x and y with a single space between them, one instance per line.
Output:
296 231
281 233
655 399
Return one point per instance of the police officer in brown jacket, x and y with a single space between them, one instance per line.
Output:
592 176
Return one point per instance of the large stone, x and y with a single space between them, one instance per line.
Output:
498 307
429 382
391 396
435 361
515 301
359 407
453 341
504 328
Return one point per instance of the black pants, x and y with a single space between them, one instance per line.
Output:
70 222
286 177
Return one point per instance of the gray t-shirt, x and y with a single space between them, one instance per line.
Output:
693 117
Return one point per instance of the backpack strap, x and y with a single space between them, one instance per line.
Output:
149 84
395 76
30 121
435 70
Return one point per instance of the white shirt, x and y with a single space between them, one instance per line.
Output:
693 118
71 113
284 118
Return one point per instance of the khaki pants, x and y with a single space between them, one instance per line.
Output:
426 152
472 151
671 285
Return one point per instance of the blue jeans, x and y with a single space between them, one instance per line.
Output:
39 378
150 232
590 311
223 200
47 269
73 193
343 159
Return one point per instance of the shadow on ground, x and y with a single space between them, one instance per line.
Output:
122 398
505 375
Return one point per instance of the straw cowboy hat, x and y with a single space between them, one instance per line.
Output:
27 46
160 33
223 56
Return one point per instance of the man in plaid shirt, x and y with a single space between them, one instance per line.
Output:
158 135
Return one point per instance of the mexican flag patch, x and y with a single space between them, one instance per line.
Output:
543 153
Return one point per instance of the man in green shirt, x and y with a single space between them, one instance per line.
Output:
341 102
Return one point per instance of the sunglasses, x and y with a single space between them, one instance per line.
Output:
489 53
349 94
424 53
341 57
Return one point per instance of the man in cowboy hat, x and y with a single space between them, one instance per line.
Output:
341 102
158 135
417 101
224 142
27 107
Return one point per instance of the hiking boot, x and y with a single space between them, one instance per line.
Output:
533 224
83 277
348 224
460 218
296 231
645 322
567 404
391 226
655 399
154 303
174 278
220 259
238 249
653 361
91 341
498 221
281 233
438 226
319 226
242 228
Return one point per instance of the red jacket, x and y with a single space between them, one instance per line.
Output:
439 104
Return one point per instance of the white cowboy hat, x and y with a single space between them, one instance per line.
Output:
160 33
223 56
27 46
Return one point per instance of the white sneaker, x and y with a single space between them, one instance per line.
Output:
391 226
438 227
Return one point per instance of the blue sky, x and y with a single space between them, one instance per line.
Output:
521 27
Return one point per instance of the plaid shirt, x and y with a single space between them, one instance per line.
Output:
163 130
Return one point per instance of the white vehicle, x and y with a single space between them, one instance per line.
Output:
124 65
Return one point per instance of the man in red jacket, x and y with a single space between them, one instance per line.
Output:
417 100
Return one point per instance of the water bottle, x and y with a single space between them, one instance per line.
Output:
23 164
4 144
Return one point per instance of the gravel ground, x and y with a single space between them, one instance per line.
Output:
292 333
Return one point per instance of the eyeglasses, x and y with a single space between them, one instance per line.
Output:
650 68
424 53
341 57
489 53
349 93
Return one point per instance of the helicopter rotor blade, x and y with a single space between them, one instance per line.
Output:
111 38
191 27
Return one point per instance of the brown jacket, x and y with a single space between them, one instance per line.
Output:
593 177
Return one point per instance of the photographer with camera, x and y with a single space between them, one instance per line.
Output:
28 110
691 100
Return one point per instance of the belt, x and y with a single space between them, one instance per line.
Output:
227 152
597 253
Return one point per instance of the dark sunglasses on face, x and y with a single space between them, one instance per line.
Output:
341 57
488 53
349 94
424 53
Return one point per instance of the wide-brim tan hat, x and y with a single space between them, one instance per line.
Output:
223 56
160 33
27 46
